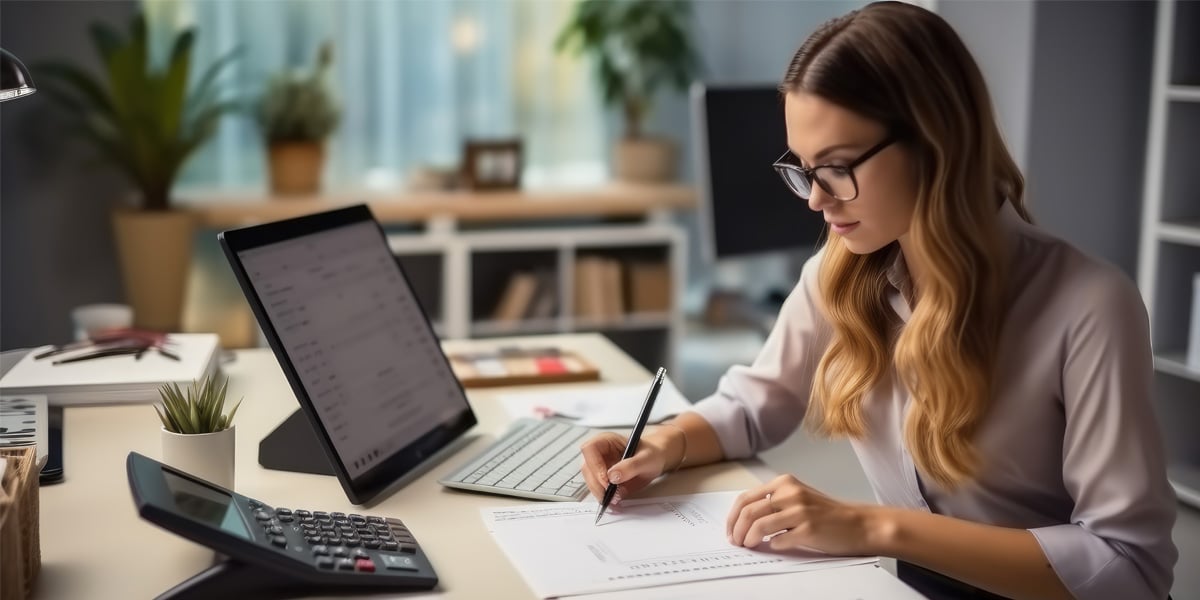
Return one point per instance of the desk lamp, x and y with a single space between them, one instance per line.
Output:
14 77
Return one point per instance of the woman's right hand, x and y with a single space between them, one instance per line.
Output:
602 463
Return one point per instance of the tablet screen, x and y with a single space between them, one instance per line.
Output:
354 341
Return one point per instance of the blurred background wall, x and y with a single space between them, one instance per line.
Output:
1069 81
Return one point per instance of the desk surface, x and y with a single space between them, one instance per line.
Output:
95 546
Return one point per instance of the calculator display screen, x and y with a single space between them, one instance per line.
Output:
205 504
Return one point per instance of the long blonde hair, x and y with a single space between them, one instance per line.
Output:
906 68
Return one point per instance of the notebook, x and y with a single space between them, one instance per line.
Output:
114 379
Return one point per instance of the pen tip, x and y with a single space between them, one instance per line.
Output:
597 521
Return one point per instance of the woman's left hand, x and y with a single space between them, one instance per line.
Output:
807 519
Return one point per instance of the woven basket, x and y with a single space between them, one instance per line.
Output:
19 541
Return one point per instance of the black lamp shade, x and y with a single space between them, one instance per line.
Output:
14 77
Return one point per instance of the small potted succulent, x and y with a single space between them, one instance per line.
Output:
197 433
297 113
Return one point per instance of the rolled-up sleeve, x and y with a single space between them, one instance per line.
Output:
1118 544
758 406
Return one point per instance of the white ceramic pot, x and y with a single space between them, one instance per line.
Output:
208 456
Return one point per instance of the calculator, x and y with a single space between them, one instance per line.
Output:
274 551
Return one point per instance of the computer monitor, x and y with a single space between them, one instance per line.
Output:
739 131
356 347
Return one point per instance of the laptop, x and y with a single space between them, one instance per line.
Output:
367 369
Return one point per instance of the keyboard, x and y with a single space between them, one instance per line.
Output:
534 458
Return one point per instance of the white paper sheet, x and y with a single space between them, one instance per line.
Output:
599 405
855 582
649 542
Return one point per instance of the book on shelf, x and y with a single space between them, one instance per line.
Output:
545 298
520 366
599 288
517 297
113 379
649 286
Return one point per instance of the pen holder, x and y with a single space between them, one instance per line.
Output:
20 540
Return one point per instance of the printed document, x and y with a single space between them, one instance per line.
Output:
596 405
647 542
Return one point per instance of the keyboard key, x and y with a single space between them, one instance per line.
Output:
345 564
320 550
395 562
325 562
364 565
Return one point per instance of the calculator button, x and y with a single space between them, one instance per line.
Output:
372 544
379 520
320 550
341 551
364 565
280 541
358 520
275 530
286 518
303 513
360 553
338 515
283 511
399 562
408 548
335 540
390 546
345 564
262 515
351 543
320 514
325 562
327 526
313 539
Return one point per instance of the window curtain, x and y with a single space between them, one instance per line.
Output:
414 78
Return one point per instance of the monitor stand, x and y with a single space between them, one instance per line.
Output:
293 446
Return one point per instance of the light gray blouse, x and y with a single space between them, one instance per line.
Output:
1071 450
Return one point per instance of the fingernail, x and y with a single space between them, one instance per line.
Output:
615 477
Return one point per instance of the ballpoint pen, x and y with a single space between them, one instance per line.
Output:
634 437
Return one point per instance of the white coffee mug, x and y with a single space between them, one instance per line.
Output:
92 318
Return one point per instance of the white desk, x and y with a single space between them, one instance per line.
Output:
95 546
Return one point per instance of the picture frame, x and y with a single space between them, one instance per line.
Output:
492 164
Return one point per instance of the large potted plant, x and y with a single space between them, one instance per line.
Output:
145 120
637 47
297 112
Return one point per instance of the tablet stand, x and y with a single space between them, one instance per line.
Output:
293 446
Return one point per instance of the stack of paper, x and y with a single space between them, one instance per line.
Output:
114 379
25 421
596 405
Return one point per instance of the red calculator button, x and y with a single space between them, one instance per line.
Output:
365 565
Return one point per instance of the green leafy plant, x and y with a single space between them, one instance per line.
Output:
638 47
142 118
198 410
298 106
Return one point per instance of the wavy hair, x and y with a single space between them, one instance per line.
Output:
906 68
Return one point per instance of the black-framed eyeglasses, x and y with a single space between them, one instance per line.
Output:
837 180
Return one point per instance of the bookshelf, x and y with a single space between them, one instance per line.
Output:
1169 253
463 280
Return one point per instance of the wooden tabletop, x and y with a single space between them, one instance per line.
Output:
226 209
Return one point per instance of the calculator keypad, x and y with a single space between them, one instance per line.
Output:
340 541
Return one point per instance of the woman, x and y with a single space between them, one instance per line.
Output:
994 381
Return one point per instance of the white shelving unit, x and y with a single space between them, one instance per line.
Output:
459 276
1170 239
